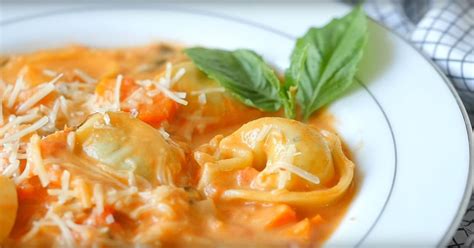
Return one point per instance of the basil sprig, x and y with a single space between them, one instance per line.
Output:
323 64
241 72
325 60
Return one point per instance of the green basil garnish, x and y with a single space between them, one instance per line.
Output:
241 72
323 64
324 61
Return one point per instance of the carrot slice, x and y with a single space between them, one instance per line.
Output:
282 215
301 229
102 218
160 108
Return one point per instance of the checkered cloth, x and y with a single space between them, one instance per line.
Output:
444 31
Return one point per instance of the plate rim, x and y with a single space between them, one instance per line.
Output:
451 229
448 234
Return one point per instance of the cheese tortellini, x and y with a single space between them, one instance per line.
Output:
124 143
208 102
8 206
296 162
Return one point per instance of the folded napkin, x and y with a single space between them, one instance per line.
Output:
444 31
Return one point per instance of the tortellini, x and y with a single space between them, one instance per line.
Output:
208 103
8 206
124 143
295 161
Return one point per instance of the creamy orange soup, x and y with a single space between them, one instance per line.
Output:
136 146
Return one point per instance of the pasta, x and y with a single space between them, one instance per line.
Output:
295 163
138 146
115 140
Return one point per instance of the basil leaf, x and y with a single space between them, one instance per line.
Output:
241 72
325 60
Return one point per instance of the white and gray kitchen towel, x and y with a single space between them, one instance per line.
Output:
444 31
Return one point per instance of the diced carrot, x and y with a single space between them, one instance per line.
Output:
282 214
301 229
161 108
102 218
317 220
54 143
30 190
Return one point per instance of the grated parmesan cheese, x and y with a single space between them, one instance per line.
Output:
63 105
11 169
25 174
53 115
71 140
175 96
35 126
178 75
207 91
66 233
65 178
49 73
19 85
132 181
109 219
82 192
134 113
34 156
163 133
118 85
14 121
84 76
298 171
56 79
202 99
42 92
98 198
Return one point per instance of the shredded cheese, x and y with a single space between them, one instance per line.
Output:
35 126
65 178
56 79
298 171
82 192
19 85
134 113
106 119
34 157
99 198
163 133
66 233
175 96
11 169
42 92
53 115
71 140
14 121
207 91
25 174
84 76
202 99
178 75
109 219
132 181
50 73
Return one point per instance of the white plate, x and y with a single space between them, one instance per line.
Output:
408 131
